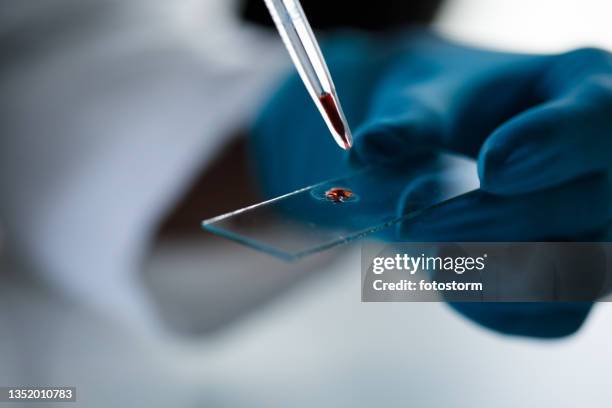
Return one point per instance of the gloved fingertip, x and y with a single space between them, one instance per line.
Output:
505 170
377 142
490 166
448 221
419 194
394 138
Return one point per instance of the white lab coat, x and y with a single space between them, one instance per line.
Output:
108 109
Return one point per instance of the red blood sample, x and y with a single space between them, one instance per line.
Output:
339 194
332 112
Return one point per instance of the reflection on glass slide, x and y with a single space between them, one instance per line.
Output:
341 210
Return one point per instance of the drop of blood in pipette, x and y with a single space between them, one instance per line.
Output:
339 194
331 109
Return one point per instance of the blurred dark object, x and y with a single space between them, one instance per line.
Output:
222 186
373 16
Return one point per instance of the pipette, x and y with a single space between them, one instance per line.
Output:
306 55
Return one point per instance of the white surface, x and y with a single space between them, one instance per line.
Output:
530 25
315 346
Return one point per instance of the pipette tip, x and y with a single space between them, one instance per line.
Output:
347 140
338 126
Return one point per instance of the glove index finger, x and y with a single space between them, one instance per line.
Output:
444 97
563 138
549 145
395 137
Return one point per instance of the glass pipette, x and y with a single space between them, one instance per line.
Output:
306 55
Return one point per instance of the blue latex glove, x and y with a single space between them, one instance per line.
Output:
540 128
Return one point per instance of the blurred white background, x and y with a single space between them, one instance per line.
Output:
533 26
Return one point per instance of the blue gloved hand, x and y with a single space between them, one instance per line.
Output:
540 128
